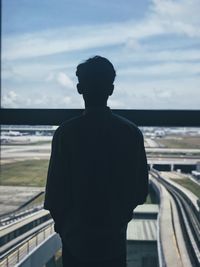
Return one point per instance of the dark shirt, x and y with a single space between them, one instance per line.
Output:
97 175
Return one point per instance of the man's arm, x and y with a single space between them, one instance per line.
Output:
55 182
143 177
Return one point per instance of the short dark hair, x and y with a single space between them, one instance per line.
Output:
97 72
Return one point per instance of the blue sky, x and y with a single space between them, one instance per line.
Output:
153 44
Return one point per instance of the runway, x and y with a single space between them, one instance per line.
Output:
14 153
11 153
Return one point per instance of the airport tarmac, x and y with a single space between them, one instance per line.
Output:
151 143
14 153
11 153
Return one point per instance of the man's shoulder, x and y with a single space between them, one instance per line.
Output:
69 125
124 122
71 122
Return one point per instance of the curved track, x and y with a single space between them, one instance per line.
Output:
188 216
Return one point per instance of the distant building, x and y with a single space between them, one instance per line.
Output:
196 173
198 166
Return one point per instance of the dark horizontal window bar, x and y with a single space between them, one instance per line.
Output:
185 118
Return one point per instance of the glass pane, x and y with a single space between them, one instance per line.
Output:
154 46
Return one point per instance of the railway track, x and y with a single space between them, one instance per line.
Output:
189 219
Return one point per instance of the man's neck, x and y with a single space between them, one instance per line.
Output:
97 109
96 105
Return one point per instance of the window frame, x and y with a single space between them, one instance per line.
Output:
141 117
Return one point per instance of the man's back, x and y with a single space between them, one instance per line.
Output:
97 176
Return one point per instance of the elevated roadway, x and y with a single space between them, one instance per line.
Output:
179 226
141 235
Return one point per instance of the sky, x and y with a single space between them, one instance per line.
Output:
154 46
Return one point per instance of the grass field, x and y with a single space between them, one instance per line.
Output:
33 173
24 173
185 142
190 185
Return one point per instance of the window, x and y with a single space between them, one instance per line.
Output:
154 46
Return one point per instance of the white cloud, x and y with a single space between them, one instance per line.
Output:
66 100
185 11
149 55
163 69
64 80
50 77
61 78
133 55
61 40
115 103
159 94
165 17
164 94
40 100
169 93
179 16
132 44
9 99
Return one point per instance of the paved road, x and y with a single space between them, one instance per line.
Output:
173 160
151 143
11 197
24 152
174 150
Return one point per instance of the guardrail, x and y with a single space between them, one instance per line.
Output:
18 214
16 254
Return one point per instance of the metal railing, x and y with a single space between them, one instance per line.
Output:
16 254
10 217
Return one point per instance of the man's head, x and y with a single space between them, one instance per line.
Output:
96 76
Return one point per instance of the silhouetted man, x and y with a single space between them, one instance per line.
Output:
97 174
